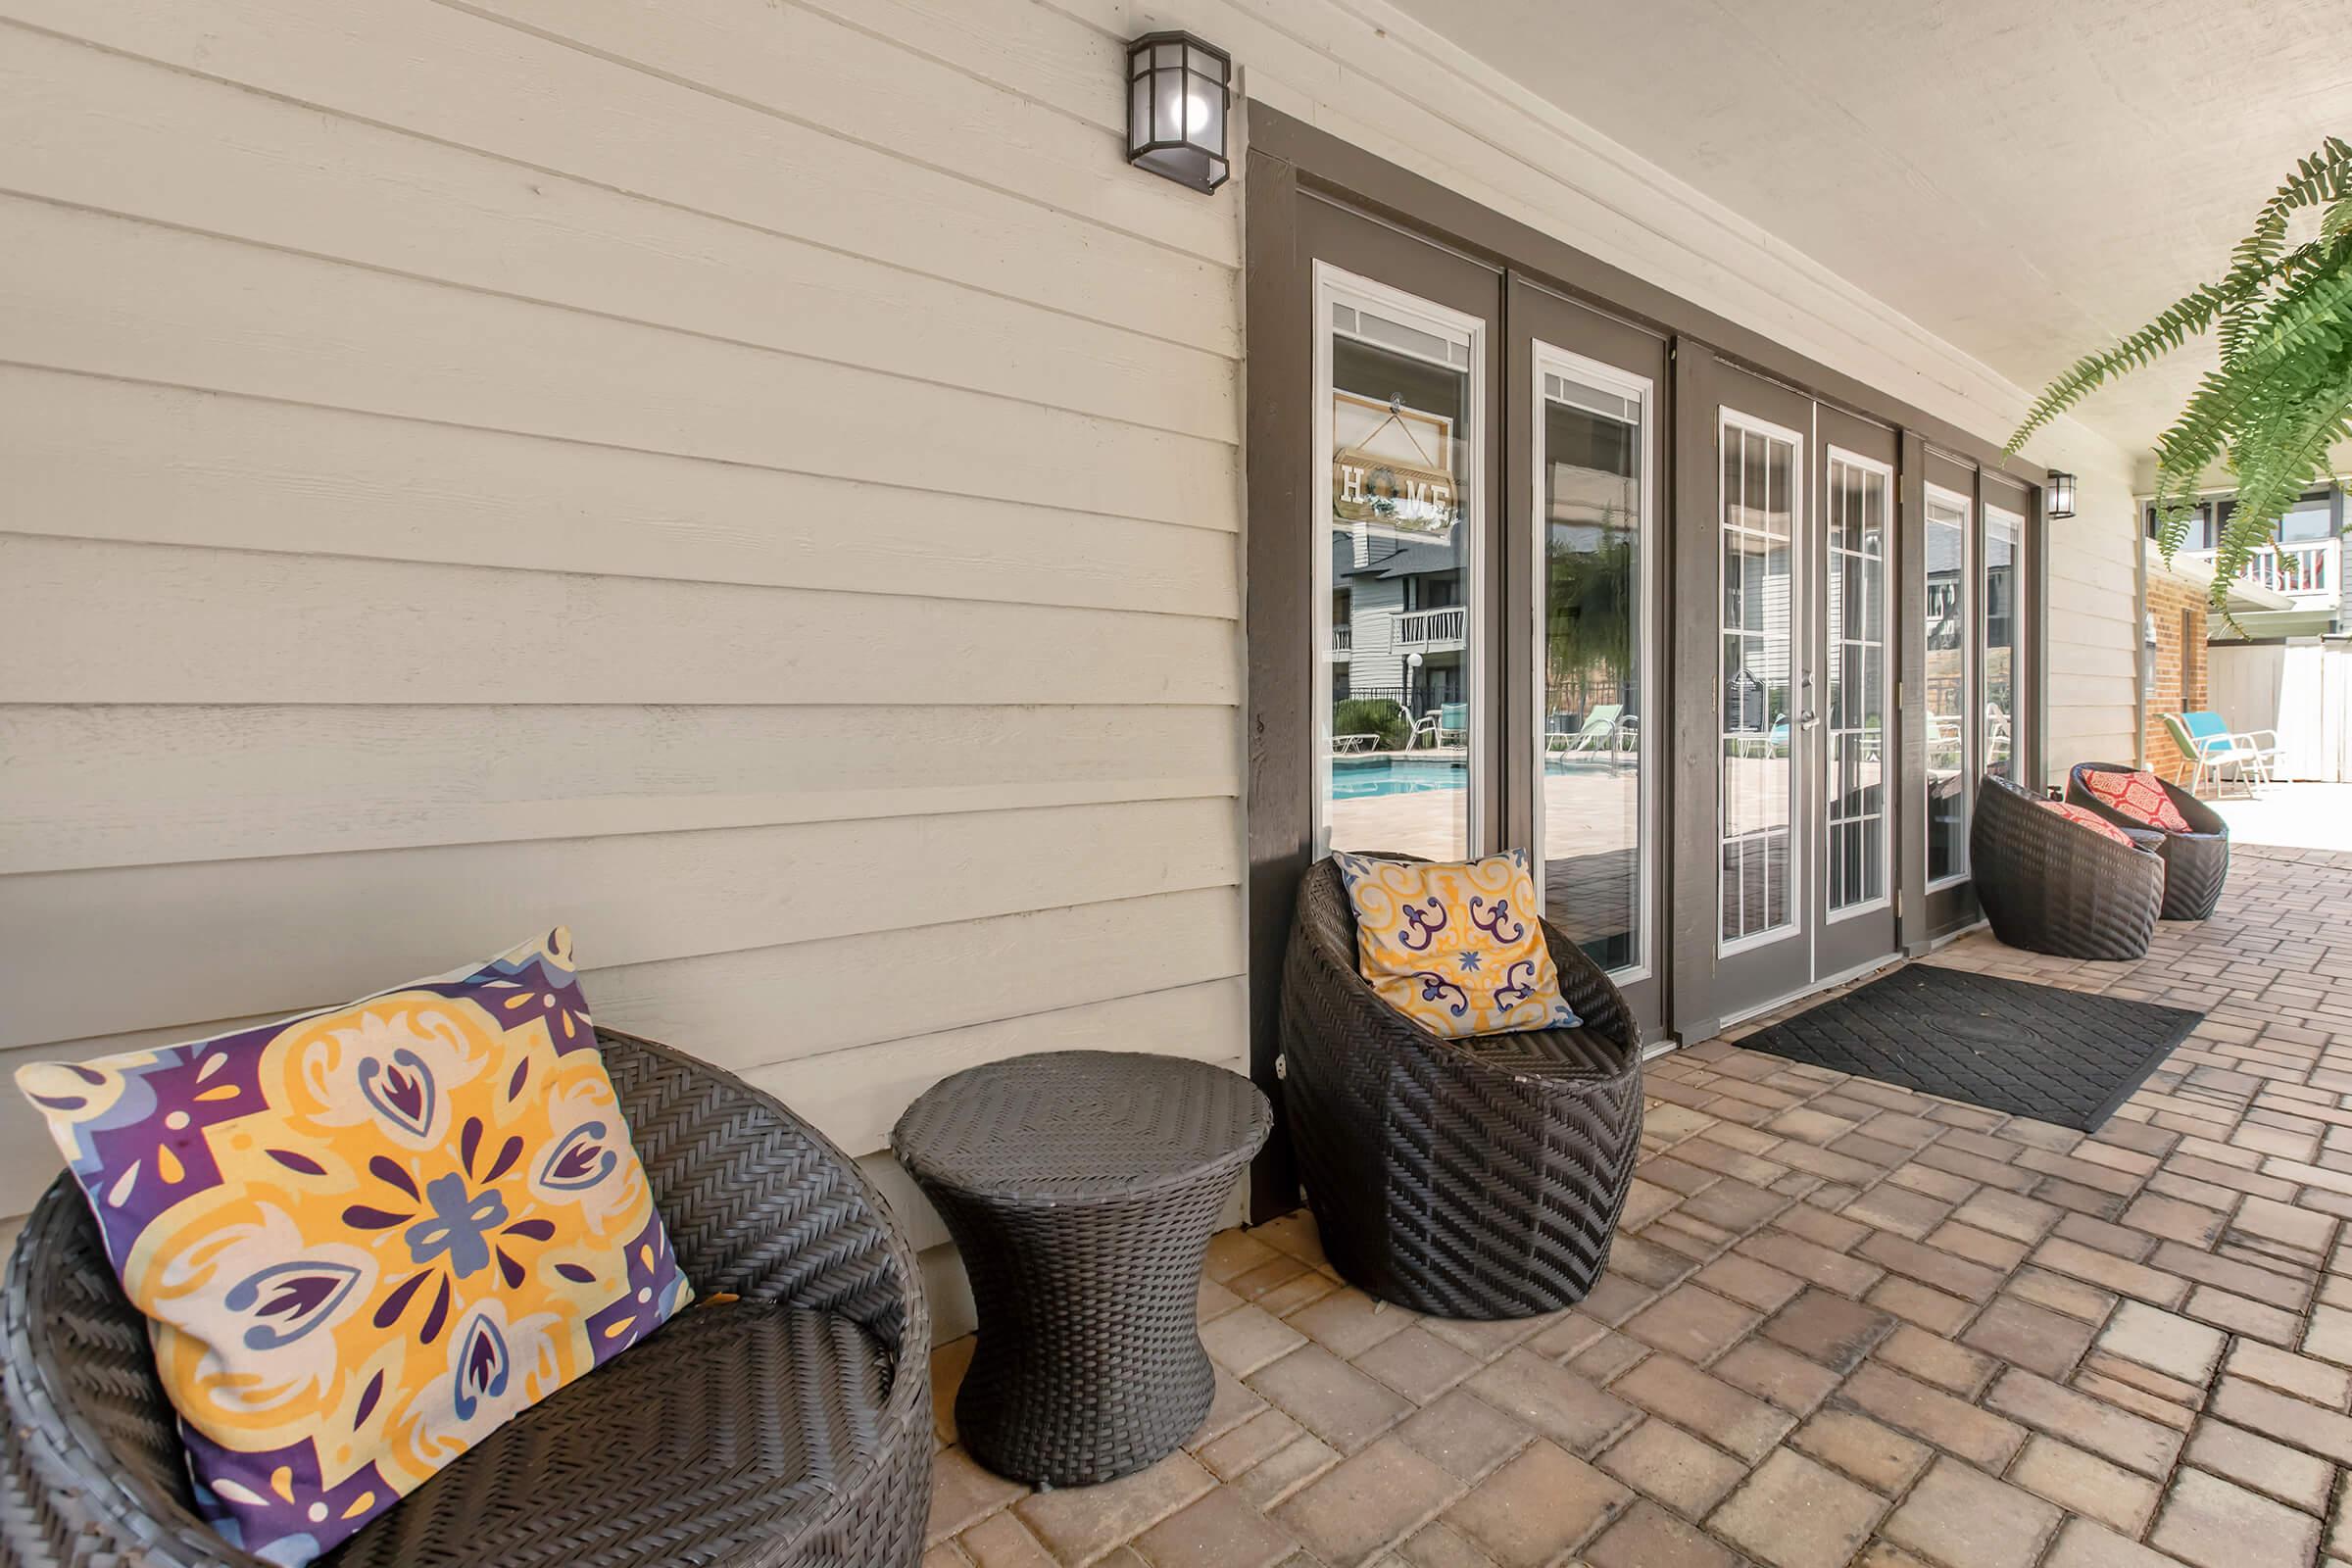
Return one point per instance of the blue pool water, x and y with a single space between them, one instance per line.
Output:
1355 781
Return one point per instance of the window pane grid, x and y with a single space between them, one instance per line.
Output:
1856 808
1758 526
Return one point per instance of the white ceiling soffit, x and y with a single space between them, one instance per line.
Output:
2026 178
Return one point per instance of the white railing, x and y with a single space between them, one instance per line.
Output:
1450 624
1343 639
2304 568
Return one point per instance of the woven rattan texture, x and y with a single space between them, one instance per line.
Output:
1463 1178
2063 1056
1081 1124
2053 886
2195 863
1082 1189
792 1428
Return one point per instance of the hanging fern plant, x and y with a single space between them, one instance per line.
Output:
2283 395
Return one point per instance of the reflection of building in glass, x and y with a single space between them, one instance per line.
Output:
1946 685
1395 596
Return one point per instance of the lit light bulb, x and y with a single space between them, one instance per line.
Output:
1195 114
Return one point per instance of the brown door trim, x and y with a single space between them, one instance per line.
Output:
1279 574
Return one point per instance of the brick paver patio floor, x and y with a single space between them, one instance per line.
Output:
1843 1324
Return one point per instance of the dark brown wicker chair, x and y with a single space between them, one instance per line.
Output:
790 1427
2058 887
2196 863
1475 1178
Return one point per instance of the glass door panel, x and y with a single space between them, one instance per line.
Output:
1857 505
1593 432
1762 465
2004 636
1951 729
1399 645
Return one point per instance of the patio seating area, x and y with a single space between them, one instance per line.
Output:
1843 1325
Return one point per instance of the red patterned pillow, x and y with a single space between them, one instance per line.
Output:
2087 817
2138 796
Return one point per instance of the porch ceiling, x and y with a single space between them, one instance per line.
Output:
2025 179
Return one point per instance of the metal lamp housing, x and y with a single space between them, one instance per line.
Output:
1179 88
2060 502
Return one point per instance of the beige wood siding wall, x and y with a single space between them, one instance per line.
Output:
755 479
717 474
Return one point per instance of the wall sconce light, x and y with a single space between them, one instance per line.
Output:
2059 500
1178 89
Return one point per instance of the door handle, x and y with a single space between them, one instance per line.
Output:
1807 718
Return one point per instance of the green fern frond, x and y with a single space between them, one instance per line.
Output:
2184 319
2282 395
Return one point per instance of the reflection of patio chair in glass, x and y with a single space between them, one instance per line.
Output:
1598 730
1447 724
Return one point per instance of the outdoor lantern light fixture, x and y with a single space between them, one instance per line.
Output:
1177 94
2059 502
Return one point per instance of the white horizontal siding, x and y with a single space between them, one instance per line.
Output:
748 483
139 784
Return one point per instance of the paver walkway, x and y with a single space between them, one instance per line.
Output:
1843 1324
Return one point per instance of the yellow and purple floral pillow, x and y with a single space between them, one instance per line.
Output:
364 1237
1456 948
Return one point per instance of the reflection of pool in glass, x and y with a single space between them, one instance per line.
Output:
1356 781
1352 780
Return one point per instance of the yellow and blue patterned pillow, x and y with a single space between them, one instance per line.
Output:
364 1237
1456 948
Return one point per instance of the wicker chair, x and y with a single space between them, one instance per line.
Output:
2058 887
1476 1178
2195 863
791 1426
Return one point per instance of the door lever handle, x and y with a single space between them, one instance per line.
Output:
1806 718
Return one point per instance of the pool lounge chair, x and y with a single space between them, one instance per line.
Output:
1600 729
2208 745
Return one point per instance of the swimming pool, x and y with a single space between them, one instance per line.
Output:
1363 778
1356 781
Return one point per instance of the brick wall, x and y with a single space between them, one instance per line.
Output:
2178 682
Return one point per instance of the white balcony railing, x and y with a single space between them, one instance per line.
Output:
2303 569
1448 625
1343 639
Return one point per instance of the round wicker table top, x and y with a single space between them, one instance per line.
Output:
1069 1126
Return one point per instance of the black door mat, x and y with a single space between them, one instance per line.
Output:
2063 1056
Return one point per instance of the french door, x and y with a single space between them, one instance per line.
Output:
1853 752
1798 512
1584 546
1485 587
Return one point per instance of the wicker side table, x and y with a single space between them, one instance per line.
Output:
1082 1187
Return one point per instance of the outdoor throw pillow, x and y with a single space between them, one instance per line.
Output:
1455 948
2086 818
364 1237
2138 796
